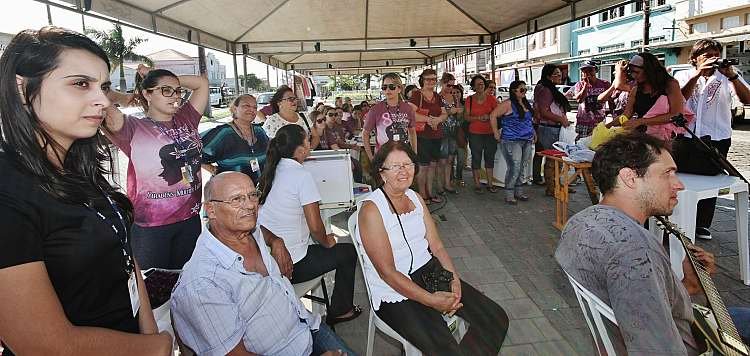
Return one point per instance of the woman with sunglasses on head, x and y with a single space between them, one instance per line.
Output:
516 139
238 145
550 108
449 146
324 123
164 171
290 210
479 111
392 119
284 104
71 284
430 115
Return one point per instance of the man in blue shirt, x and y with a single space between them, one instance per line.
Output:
231 297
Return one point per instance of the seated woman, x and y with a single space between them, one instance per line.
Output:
290 211
238 145
402 246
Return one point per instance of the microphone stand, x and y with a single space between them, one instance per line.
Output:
723 162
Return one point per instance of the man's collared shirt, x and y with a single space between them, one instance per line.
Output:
217 303
711 101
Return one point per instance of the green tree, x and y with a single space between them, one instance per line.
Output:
253 82
118 50
344 82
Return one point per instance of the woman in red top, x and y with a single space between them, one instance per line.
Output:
429 110
479 111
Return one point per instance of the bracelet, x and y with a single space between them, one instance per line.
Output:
735 77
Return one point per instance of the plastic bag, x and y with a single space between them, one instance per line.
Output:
568 134
602 134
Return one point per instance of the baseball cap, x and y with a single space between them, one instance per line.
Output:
636 60
588 64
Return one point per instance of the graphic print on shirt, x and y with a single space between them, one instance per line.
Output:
180 160
394 126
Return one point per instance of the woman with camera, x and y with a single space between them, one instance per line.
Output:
412 279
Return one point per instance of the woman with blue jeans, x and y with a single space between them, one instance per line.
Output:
516 139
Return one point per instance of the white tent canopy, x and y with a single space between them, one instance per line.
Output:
329 36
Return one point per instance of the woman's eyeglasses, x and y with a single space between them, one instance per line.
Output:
389 87
398 166
290 99
522 90
241 199
168 91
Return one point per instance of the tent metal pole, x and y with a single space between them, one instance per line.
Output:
646 24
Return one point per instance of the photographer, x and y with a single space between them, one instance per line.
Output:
586 92
708 89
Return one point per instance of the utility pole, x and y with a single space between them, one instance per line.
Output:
646 24
204 72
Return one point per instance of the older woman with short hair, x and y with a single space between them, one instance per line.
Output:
403 249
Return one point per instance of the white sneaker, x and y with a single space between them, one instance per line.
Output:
702 233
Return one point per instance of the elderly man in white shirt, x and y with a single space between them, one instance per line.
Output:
708 90
231 298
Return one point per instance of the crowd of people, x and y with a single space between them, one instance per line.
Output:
75 245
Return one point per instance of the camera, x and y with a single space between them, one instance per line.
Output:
726 63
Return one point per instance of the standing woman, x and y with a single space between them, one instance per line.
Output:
392 119
65 257
238 145
550 108
290 210
448 146
164 178
284 105
479 111
516 139
429 111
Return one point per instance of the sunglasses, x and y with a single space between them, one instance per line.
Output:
168 91
320 121
389 87
332 114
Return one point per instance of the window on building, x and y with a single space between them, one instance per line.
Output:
612 14
584 52
586 21
747 19
611 47
699 27
730 22
638 5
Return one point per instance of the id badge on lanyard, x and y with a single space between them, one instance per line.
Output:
135 301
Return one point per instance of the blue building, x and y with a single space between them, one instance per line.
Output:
618 34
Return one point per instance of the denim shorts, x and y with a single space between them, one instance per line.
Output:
448 147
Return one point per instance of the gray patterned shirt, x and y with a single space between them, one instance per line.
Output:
614 257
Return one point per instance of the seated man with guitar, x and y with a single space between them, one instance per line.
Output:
606 249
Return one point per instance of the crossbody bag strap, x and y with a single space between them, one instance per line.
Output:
403 233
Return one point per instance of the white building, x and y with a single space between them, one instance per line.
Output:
4 41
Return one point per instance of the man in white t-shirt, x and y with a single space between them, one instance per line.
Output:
708 89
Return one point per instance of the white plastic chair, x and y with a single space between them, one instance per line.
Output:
455 324
593 310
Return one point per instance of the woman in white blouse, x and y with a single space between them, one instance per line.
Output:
401 250
284 105
290 199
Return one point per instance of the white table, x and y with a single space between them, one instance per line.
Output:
699 187
327 212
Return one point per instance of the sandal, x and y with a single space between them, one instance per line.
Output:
478 190
356 311
492 189
511 201
522 197
436 200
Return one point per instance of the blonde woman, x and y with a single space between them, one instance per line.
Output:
392 119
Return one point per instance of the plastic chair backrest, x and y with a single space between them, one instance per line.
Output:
360 250
600 319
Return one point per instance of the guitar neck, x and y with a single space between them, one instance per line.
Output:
715 303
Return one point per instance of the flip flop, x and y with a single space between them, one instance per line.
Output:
436 200
356 311
492 189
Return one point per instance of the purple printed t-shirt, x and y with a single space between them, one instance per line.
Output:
591 111
390 123
157 171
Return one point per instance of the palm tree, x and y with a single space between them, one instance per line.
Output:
118 50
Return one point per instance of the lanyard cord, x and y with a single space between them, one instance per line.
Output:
121 235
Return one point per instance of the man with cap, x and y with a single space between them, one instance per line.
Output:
586 93
708 89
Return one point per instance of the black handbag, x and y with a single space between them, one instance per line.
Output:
692 157
432 276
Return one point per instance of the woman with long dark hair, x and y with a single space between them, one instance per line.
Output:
289 199
164 171
479 111
652 82
516 139
237 145
71 283
550 109
284 105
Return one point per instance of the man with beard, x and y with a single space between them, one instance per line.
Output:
606 249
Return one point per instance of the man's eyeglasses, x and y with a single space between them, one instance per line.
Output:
398 166
290 99
168 91
241 199
389 87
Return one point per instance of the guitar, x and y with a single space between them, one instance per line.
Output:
712 321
